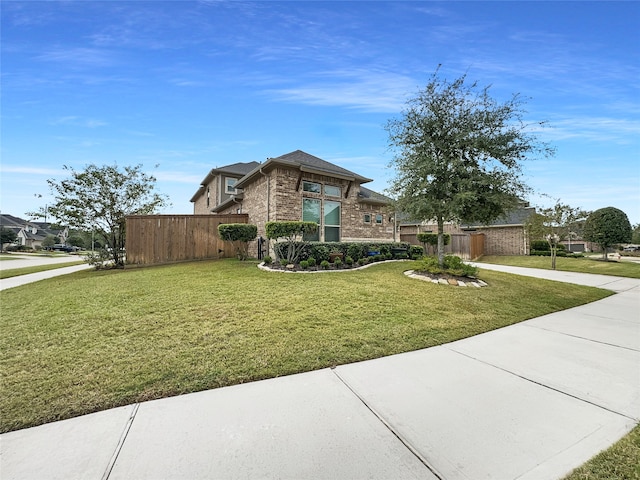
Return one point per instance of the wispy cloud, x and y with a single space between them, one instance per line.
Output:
596 129
76 121
361 89
79 57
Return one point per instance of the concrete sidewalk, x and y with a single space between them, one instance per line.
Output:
529 401
20 280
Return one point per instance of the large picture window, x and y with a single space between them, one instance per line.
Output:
311 213
331 221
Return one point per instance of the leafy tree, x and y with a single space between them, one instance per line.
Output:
50 241
554 224
635 234
239 234
458 154
607 227
100 197
7 236
76 240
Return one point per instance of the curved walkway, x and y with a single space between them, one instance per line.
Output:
529 401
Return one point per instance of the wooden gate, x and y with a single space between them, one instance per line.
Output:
157 239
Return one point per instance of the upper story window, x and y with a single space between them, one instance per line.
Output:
230 185
332 191
379 219
311 187
367 218
208 196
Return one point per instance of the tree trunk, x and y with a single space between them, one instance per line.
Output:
440 242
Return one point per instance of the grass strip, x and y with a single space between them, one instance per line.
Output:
579 265
619 462
93 340
15 272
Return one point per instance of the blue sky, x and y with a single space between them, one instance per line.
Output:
185 86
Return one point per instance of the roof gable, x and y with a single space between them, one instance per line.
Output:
305 163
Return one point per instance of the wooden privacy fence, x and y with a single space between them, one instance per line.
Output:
466 246
156 239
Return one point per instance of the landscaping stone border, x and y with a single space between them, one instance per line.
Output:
266 268
446 281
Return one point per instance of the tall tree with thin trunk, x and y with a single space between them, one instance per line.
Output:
99 198
458 154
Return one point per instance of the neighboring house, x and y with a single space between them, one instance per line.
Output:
504 236
31 234
298 186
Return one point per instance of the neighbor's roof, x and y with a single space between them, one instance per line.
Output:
305 163
239 169
369 196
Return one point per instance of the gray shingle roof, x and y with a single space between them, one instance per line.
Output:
299 157
367 194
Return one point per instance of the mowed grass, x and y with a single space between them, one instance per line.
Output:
15 272
99 339
580 265
619 462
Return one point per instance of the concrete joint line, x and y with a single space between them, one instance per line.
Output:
542 384
123 437
390 428
581 338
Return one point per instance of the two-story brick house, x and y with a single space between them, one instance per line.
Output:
299 186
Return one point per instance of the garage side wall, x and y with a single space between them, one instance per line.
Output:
158 239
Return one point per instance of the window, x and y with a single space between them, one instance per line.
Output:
331 221
311 187
208 196
332 191
379 219
229 185
311 213
367 218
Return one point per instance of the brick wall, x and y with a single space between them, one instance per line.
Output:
200 205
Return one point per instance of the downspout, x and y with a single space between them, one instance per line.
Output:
268 204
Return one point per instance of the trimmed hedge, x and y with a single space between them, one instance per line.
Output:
357 250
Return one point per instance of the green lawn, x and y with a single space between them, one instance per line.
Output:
580 265
620 462
14 272
98 339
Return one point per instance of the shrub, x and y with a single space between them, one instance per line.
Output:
239 234
452 265
319 251
304 264
324 264
337 262
348 260
311 261
388 256
267 260
416 251
357 250
378 258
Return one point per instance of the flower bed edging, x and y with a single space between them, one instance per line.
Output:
446 281
266 268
